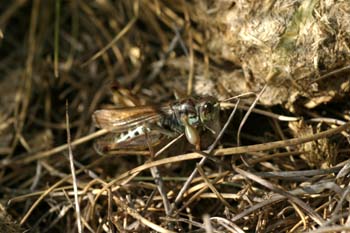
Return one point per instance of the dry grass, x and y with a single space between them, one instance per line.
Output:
289 172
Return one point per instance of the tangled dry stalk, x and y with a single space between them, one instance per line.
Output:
289 171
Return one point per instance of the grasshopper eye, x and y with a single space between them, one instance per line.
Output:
208 111
208 107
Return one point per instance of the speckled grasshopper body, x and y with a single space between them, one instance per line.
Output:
135 127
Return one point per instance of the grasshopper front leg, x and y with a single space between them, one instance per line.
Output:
191 133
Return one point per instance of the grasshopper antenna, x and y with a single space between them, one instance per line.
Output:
237 97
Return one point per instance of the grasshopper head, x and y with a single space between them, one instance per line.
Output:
208 110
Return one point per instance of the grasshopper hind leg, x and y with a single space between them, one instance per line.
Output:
134 139
104 144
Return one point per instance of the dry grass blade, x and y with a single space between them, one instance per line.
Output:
72 168
48 153
117 37
24 93
137 216
294 199
56 39
214 190
250 109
